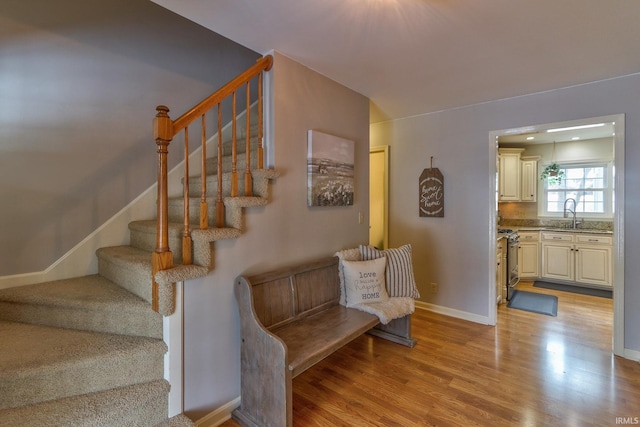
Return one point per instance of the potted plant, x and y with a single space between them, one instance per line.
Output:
552 173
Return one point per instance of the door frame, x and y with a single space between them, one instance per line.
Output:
385 214
618 217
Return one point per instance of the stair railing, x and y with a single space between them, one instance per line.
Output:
164 131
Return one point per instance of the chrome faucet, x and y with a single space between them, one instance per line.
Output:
573 212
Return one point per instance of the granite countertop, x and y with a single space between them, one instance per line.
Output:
564 230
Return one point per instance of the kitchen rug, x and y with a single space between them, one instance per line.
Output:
604 293
535 303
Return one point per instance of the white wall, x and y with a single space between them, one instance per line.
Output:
453 251
284 232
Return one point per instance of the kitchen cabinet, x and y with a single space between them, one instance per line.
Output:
529 255
594 260
580 258
509 174
528 179
517 176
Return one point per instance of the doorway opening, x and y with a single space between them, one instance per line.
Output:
545 205
379 197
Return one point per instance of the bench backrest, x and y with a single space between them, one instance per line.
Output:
284 295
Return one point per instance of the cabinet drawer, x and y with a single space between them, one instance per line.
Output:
557 237
528 236
594 239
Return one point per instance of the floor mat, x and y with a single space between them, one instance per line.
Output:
604 293
535 303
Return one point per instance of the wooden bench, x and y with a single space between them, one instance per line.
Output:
290 320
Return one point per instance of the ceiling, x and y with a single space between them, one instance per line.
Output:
562 133
413 57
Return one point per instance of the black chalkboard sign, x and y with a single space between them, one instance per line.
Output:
431 193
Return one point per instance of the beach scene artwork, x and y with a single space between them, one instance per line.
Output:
330 170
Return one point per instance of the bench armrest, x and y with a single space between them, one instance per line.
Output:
264 373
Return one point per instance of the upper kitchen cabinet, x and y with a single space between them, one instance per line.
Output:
517 176
509 174
528 179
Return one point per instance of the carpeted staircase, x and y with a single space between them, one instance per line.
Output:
88 351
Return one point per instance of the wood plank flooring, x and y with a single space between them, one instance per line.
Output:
529 370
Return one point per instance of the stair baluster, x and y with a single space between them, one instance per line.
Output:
204 206
219 200
234 149
186 231
248 181
165 130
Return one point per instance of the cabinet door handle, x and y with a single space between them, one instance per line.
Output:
556 238
594 240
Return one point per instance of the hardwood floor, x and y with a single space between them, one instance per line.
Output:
529 370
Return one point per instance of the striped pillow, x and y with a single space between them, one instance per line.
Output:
399 273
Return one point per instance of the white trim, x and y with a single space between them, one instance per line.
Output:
268 112
607 191
384 149
81 259
173 335
631 354
220 415
458 314
492 310
618 230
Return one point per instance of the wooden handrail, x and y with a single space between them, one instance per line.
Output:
263 64
165 129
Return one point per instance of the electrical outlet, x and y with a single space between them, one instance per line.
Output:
434 288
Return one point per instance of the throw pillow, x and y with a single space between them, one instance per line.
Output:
400 281
364 281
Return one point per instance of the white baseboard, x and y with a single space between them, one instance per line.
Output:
81 259
631 354
464 315
220 415
173 328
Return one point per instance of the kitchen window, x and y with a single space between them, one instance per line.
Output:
591 185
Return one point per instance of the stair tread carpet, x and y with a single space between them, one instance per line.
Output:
143 404
175 230
41 363
128 267
88 303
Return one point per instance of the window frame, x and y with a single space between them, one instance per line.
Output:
608 191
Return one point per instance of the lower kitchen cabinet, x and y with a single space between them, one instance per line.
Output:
593 265
558 261
580 258
528 255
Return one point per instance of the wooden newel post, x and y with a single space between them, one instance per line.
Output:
162 258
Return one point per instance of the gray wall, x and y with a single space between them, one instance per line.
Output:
453 251
284 232
79 83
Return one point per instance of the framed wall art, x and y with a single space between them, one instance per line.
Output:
330 170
